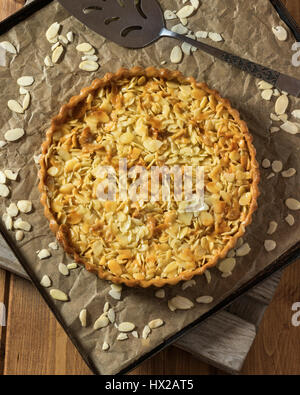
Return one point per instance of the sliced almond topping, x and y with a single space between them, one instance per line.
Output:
43 254
272 227
83 317
274 117
274 129
114 294
19 235
89 65
90 57
135 334
45 281
215 36
53 245
11 175
188 284
290 219
111 315
48 61
12 210
25 206
57 53
72 266
155 323
53 30
182 303
277 166
2 177
184 21
90 52
62 268
276 93
271 175
84 47
280 33
227 265
59 295
283 117
201 34
207 276
146 332
281 104
180 29
54 46
296 114
70 36
171 306
195 4
289 173
160 294
122 336
26 80
7 220
176 54
9 47
205 299
263 85
105 346
186 48
243 250
101 322
270 245
267 94
63 39
2 143
4 191
290 127
185 11
231 254
26 101
126 327
106 307
266 163
14 106
169 15
292 204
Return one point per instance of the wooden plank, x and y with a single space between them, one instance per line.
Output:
4 281
35 342
8 7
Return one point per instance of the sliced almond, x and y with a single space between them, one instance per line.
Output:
274 117
266 163
101 322
290 219
57 53
48 62
146 332
183 21
26 80
126 327
89 65
270 245
180 29
94 58
267 94
62 268
57 294
63 39
277 166
23 225
186 48
201 34
169 15
296 114
14 106
111 315
7 220
114 294
289 173
45 281
22 90
4 191
227 265
90 52
290 127
43 254
207 276
292 204
215 36
11 175
188 284
281 104
160 294
72 266
12 210
84 47
274 129
195 4
25 206
157 323
105 346
54 46
52 31
283 117
182 303
83 317
280 33
243 250
53 245
185 11
2 177
122 336
264 85
205 299
176 54
19 235
271 175
272 227
2 143
135 334
70 36
9 47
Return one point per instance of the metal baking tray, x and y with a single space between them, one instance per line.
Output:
289 257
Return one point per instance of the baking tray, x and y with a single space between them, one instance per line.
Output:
290 256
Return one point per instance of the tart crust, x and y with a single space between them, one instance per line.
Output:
62 231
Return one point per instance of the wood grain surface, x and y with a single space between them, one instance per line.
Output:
34 343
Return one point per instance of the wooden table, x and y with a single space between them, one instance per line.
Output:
34 343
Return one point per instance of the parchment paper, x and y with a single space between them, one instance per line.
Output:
246 28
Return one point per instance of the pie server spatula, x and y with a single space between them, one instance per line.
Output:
138 23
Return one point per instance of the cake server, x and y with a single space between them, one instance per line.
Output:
138 23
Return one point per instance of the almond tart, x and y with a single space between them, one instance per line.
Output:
151 117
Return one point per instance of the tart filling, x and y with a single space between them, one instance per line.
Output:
147 117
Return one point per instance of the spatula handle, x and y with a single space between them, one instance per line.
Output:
261 72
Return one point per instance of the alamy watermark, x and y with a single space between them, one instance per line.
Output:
153 184
2 314
296 315
296 56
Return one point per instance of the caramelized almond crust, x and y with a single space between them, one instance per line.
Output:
196 243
